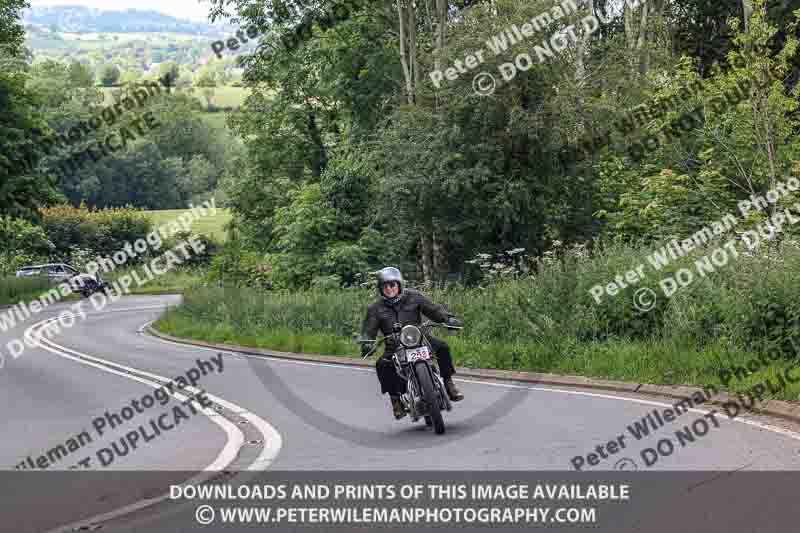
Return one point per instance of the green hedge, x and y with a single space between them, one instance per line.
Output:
100 232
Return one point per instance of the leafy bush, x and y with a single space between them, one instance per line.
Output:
345 261
326 283
195 259
234 266
345 187
80 257
102 232
21 243
547 320
750 304
303 230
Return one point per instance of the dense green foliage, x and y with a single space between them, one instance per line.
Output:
346 156
82 231
356 159
79 235
22 189
547 322
182 160
52 113
21 243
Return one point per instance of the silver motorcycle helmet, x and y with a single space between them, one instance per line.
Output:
386 275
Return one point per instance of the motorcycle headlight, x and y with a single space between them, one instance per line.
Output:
410 336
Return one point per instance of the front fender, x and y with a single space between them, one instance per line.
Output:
422 366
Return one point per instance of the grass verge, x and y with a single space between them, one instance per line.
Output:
172 281
14 290
319 322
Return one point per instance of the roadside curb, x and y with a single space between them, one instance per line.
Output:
156 293
782 409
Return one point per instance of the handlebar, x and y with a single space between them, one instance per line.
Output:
430 324
427 324
370 341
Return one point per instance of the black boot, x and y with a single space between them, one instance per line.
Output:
397 407
452 391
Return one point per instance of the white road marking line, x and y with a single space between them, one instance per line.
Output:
235 438
272 439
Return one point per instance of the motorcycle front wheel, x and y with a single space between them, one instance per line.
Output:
431 398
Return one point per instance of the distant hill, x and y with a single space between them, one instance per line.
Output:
83 19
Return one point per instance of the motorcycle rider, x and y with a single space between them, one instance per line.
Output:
404 306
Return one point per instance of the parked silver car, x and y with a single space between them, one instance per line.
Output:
55 271
61 272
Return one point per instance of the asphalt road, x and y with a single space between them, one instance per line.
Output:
277 415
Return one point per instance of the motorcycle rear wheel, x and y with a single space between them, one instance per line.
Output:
431 398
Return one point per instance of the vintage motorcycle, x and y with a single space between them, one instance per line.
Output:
87 285
425 394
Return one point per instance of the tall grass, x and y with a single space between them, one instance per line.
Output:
549 322
14 290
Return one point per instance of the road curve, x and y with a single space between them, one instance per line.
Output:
290 416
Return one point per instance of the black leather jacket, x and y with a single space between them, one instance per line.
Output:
409 310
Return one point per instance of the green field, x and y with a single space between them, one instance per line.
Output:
217 120
228 96
220 96
212 226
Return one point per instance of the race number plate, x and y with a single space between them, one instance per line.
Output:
418 354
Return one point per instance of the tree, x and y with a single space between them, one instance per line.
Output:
345 187
407 16
303 231
80 75
21 242
740 143
199 176
449 174
109 76
22 188
169 73
13 54
700 29
760 142
12 33
205 78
